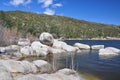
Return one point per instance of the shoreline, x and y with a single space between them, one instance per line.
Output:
90 39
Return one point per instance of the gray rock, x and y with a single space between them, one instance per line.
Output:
43 66
23 42
97 47
4 73
30 77
39 49
19 66
26 51
64 74
46 38
64 46
82 46
109 51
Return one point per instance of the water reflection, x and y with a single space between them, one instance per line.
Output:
88 63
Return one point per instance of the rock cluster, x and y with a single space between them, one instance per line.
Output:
14 69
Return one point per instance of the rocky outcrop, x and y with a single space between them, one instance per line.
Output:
64 74
19 66
25 67
82 46
30 77
43 66
5 74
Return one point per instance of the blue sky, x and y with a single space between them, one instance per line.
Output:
101 11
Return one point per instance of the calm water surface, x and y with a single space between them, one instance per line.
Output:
90 63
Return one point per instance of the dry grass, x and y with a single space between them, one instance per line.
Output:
11 36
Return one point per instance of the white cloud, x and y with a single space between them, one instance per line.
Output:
27 2
19 2
57 5
49 12
46 3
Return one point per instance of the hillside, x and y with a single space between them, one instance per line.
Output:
32 23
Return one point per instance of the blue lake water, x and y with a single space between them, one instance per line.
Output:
89 61
107 43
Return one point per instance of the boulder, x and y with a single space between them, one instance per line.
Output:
19 66
97 47
46 38
39 49
12 47
29 67
58 44
109 51
82 46
12 66
26 51
116 50
43 66
30 77
64 46
37 44
69 48
23 42
64 74
4 73
56 51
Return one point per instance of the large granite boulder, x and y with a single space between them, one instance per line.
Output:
26 51
30 77
39 49
109 51
19 66
46 38
82 46
58 44
116 50
43 66
64 46
5 74
64 74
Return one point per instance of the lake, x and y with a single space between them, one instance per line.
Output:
89 64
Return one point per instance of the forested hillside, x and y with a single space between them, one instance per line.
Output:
61 26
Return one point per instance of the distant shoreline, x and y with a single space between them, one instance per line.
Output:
91 39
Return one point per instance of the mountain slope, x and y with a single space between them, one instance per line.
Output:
26 22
